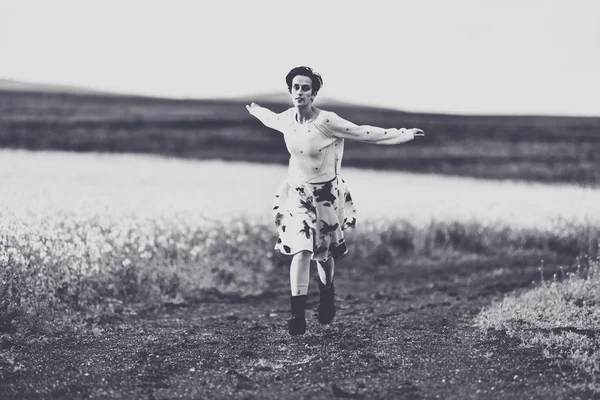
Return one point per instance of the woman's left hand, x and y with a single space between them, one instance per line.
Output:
417 132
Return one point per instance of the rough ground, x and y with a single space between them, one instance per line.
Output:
400 333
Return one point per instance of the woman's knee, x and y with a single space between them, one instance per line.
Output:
303 256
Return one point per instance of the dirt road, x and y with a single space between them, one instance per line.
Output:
400 333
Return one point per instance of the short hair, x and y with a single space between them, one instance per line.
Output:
317 80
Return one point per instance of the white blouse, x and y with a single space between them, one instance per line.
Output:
316 147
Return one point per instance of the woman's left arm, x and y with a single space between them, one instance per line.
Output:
338 127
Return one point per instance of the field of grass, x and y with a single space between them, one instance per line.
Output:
86 239
562 318
534 148
86 232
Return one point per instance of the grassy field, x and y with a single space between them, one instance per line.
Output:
88 241
536 148
90 228
560 316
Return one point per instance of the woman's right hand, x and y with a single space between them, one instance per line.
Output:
264 115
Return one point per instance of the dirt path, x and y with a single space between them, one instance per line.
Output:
404 333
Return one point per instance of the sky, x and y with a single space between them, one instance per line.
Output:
461 56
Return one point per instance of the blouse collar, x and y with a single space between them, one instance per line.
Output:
315 119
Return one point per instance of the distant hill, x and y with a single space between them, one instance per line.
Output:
13 85
535 148
270 98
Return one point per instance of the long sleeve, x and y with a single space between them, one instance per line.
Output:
338 127
269 118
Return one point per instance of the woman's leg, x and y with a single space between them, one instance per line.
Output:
326 270
299 276
300 273
326 307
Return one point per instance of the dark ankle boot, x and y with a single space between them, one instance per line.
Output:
297 324
326 307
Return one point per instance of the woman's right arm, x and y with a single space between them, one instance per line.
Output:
266 116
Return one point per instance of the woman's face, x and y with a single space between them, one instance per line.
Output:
302 93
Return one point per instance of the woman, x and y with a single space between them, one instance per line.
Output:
313 206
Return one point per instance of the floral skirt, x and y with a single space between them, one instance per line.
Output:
312 217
